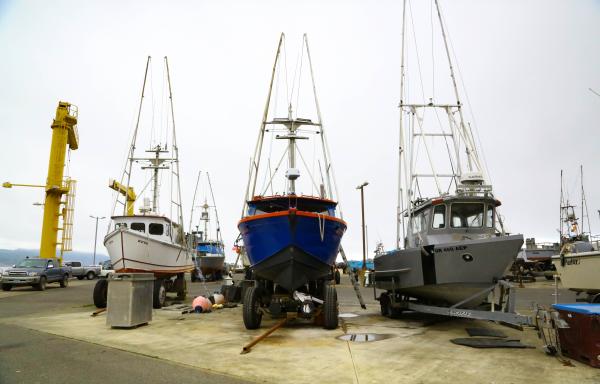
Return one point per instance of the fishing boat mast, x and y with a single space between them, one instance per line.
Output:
156 162
292 126
459 134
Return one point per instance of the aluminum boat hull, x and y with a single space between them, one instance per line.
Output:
448 273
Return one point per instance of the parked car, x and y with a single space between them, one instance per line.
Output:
37 273
106 269
83 272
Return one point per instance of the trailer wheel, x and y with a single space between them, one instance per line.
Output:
330 310
252 313
384 303
90 275
337 277
101 293
181 286
160 294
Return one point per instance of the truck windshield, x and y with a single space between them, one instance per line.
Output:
32 263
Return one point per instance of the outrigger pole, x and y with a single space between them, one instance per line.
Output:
251 187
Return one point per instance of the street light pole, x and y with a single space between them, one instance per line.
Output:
362 207
96 235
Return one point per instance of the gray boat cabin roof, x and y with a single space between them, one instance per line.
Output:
423 204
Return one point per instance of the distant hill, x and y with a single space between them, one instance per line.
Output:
9 257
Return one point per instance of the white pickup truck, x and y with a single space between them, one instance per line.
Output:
81 272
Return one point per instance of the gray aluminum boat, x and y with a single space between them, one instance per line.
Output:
451 246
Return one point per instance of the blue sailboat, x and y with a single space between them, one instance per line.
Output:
291 240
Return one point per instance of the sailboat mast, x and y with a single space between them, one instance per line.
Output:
175 154
400 227
135 132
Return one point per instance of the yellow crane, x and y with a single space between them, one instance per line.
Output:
125 191
60 190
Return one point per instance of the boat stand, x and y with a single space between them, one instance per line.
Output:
505 315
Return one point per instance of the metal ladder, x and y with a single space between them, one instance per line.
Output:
353 279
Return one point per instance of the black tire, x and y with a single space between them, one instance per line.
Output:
101 293
64 283
90 275
41 286
337 277
181 287
330 308
549 277
384 304
159 295
6 287
252 312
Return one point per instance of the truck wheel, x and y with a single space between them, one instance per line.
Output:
337 277
252 313
101 293
6 287
160 294
330 308
90 275
80 277
41 286
65 281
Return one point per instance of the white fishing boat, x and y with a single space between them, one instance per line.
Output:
578 264
149 241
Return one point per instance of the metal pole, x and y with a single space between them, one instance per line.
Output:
96 235
362 207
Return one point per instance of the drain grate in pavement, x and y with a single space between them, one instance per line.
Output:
364 337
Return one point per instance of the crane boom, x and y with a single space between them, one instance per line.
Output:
128 192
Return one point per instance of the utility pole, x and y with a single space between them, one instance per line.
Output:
362 207
96 235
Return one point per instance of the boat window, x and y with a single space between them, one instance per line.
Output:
439 216
141 227
466 215
156 229
489 221
419 222
119 225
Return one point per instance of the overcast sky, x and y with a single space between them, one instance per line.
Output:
526 67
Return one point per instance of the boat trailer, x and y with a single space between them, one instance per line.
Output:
393 302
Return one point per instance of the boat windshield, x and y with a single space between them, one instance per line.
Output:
466 215
283 203
32 263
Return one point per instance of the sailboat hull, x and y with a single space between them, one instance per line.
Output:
292 248
131 251
446 274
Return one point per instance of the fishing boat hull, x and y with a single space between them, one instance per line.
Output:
211 264
447 274
131 251
292 248
579 271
